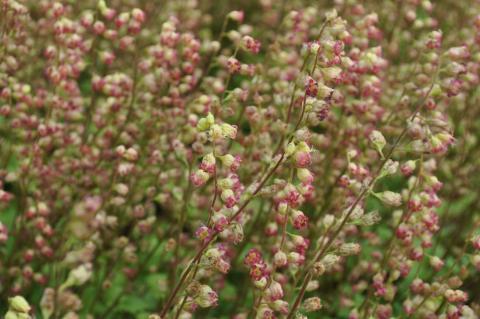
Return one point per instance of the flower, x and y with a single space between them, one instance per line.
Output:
253 257
312 304
377 139
78 276
311 87
206 297
236 16
348 249
299 219
206 122
208 163
280 259
304 175
389 198
19 304
199 177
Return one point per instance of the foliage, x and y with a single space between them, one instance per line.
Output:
239 159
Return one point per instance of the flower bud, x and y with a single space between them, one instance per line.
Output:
199 177
378 140
206 297
229 131
206 122
203 233
280 306
295 258
228 198
331 15
324 92
302 155
280 259
260 283
331 73
79 275
348 249
264 312
389 198
290 149
436 263
219 221
329 261
236 232
19 304
476 242
304 175
138 15
318 269
299 219
312 304
208 163
236 15
314 47
390 168
408 167
227 160
476 261
282 208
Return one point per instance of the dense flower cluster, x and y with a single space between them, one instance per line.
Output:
242 159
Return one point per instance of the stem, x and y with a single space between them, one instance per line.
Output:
357 201
199 254
390 245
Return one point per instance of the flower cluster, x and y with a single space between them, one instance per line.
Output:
242 159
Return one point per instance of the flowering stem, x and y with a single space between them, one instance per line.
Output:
364 192
390 244
199 254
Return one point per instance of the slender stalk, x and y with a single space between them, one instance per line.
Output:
362 194
200 252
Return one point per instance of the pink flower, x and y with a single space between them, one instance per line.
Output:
206 297
233 65
299 219
236 16
253 257
199 177
311 87
476 242
228 198
203 233
251 44
258 271
219 221
303 159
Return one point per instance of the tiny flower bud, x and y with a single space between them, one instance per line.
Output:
228 198
280 306
206 297
436 263
378 141
206 122
236 16
318 269
299 219
208 163
408 167
329 261
280 259
312 304
229 131
389 198
19 304
304 175
199 177
348 249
